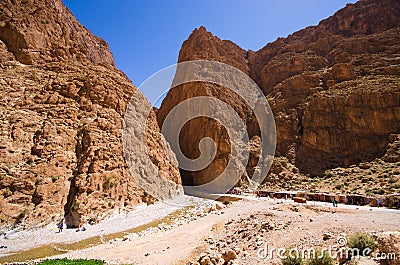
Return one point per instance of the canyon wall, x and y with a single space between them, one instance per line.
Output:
334 89
62 105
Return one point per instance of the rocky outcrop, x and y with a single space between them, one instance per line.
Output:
37 31
203 45
204 127
365 112
333 88
62 107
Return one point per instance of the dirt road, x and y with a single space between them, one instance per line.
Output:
167 247
292 224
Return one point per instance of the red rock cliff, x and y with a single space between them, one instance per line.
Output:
62 103
334 88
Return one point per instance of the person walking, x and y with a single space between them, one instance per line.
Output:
60 226
334 202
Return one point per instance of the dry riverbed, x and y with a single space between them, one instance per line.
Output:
201 231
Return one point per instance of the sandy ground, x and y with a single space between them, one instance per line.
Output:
166 247
291 225
21 240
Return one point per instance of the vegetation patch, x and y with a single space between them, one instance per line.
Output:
71 262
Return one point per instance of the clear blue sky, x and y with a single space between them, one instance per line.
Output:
145 36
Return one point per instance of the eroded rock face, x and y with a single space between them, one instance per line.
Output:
333 88
350 123
201 127
38 31
62 109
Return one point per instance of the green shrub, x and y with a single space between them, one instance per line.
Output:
20 218
110 182
329 174
362 241
22 214
395 186
339 186
293 258
71 262
378 191
38 181
320 258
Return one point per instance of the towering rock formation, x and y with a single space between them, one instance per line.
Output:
37 32
334 88
62 104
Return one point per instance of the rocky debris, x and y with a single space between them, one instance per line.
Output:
359 260
229 255
326 236
284 175
333 89
242 238
241 235
210 259
389 242
219 206
62 105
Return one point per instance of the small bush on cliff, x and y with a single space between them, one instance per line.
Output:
38 181
378 191
20 217
339 186
110 182
395 186
329 174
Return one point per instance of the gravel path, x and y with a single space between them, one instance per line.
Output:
182 243
142 214
169 246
